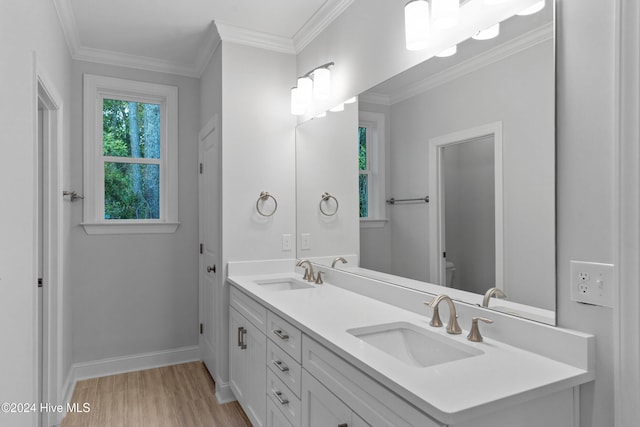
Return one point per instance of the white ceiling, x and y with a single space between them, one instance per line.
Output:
179 37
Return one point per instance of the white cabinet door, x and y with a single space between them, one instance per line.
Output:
275 418
320 408
247 368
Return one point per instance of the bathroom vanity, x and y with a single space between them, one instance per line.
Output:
303 354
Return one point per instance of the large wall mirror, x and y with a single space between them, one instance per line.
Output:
453 170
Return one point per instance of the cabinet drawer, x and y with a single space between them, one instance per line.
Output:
284 366
250 309
275 418
283 399
285 335
376 404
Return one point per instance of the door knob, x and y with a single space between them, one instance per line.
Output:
210 268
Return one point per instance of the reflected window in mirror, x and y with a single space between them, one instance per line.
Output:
371 161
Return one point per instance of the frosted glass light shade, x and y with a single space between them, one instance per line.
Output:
305 92
444 13
339 107
322 83
351 100
448 52
296 108
416 24
536 7
489 33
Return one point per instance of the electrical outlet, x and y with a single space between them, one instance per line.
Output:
286 242
592 283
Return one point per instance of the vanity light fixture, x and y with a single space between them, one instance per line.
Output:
448 52
351 100
444 13
296 108
495 1
487 34
316 84
321 115
337 108
536 7
416 24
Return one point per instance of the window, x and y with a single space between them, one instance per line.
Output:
130 143
371 161
363 163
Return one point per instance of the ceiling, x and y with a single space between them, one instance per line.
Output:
180 36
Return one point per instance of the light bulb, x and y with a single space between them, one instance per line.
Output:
322 83
444 13
448 52
536 7
416 24
489 33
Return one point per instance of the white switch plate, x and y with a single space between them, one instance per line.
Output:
305 243
286 242
592 283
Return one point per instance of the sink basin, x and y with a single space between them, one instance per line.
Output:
283 284
413 345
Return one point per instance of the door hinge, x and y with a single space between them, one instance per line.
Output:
40 282
201 167
201 328
201 248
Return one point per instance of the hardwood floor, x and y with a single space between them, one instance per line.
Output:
172 396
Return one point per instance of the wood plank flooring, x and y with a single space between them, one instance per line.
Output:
172 396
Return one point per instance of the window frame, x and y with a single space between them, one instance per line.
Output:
97 88
376 152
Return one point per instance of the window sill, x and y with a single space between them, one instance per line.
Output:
372 222
130 227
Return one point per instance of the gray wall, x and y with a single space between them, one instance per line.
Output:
134 294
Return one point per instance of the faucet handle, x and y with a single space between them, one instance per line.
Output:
435 319
319 278
474 333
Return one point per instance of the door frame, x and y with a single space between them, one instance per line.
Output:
437 270
48 99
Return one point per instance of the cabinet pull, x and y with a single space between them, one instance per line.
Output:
283 400
281 366
240 329
282 335
244 334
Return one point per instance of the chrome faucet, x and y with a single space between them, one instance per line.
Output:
492 292
342 260
452 326
308 271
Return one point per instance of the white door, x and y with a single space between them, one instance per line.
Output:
210 238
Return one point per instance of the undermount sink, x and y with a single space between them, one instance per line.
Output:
283 284
414 345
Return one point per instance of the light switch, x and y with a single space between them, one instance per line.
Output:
286 242
305 242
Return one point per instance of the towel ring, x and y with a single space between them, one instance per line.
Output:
324 198
264 196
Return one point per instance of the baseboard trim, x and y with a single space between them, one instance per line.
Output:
136 362
224 393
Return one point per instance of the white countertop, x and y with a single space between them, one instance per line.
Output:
450 392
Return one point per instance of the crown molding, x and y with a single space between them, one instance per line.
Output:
239 35
68 24
498 53
320 20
